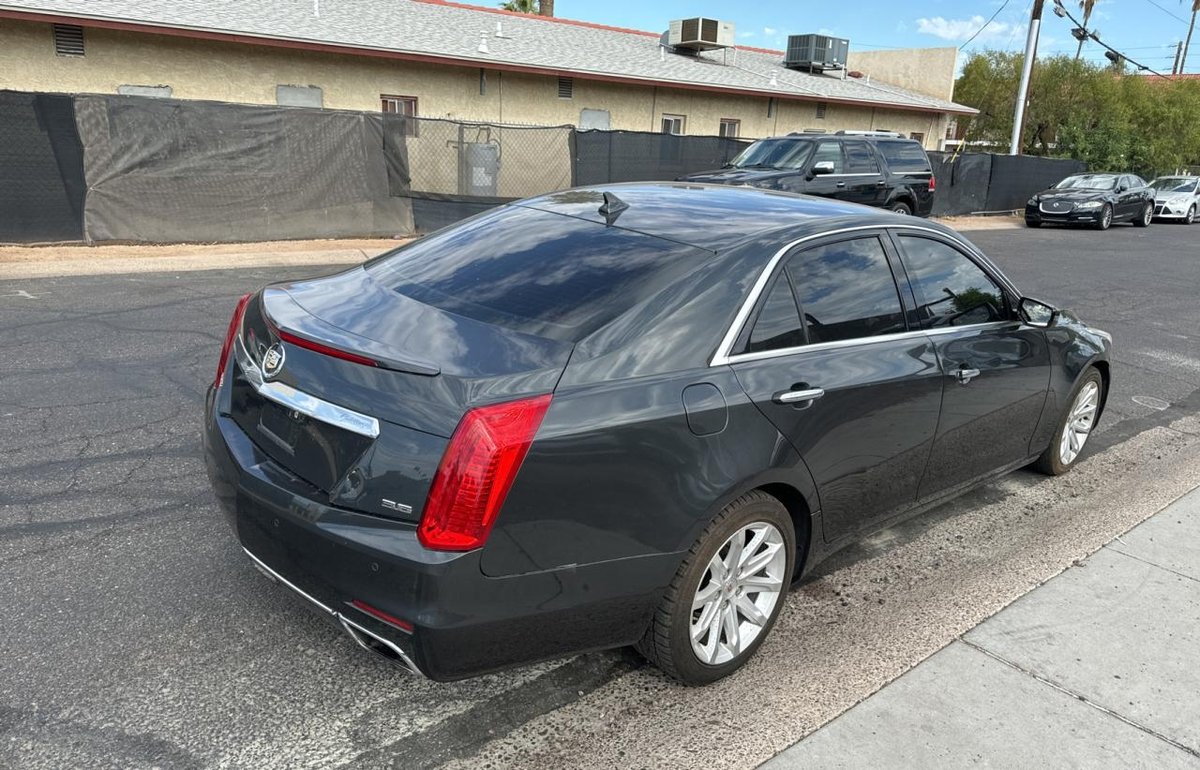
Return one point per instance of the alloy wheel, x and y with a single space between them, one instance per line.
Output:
1079 423
1190 216
1106 218
737 593
1147 215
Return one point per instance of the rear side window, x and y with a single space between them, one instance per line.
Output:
951 289
860 159
535 272
830 152
778 324
846 291
904 156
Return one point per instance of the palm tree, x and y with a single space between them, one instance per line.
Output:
1087 6
520 6
1188 42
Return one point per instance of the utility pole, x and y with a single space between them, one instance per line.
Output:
1178 55
1035 24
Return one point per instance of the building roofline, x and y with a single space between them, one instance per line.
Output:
247 38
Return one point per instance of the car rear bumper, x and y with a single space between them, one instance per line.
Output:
463 622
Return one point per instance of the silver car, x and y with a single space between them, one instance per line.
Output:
1176 197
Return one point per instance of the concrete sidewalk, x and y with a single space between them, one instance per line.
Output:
1099 668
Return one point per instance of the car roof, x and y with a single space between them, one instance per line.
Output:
716 218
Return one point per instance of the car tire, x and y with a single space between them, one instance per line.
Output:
1106 218
902 208
1074 426
670 642
1190 216
1032 223
1147 215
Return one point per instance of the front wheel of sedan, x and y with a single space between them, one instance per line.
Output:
1074 426
1146 217
727 593
1190 216
1105 220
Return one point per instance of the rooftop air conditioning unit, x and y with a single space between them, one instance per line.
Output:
816 52
700 34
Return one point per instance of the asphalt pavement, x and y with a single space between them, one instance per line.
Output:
137 635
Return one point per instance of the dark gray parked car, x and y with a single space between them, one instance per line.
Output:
625 415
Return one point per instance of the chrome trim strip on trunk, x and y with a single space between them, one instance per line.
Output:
289 397
353 630
724 355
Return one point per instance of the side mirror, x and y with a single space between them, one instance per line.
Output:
1037 313
823 167
1123 188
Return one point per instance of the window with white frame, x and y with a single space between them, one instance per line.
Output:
673 124
730 127
405 106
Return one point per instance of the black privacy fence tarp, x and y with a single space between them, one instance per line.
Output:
977 182
168 170
41 169
138 169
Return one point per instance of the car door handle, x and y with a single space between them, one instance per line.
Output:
841 184
881 183
964 375
798 396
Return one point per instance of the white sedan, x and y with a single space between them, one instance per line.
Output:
1176 197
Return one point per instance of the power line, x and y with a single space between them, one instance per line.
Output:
985 25
1061 11
1164 10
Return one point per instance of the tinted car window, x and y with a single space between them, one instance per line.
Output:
846 291
860 159
778 324
535 272
904 156
831 152
951 289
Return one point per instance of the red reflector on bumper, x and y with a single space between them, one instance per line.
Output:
391 620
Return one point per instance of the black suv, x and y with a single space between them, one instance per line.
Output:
884 170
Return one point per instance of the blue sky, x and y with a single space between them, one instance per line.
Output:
1146 30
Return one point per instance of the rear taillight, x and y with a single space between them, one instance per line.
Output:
235 328
932 183
476 472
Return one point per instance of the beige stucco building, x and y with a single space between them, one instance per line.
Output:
463 63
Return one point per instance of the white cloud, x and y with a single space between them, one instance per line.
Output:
768 31
746 33
963 29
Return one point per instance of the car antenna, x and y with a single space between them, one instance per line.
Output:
612 208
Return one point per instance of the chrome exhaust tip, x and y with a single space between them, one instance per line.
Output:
371 642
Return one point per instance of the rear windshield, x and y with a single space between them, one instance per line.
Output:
904 156
535 272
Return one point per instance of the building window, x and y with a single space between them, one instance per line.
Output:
566 88
68 40
730 128
299 96
821 110
918 136
771 107
405 106
673 124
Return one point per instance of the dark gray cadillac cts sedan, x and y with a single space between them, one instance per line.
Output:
629 415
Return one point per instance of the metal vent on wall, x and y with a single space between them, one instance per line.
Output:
68 40
566 88
821 110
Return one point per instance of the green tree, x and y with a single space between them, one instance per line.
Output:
1085 111
520 6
